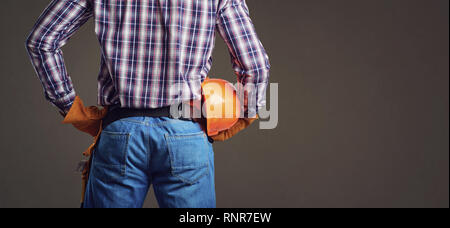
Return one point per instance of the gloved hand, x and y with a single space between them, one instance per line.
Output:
239 126
85 119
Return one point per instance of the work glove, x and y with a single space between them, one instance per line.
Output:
239 126
85 119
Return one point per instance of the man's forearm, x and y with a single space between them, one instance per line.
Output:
52 30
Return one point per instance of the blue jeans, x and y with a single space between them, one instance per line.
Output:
133 153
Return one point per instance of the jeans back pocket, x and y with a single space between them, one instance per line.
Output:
189 156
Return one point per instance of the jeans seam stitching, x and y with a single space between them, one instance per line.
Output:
124 169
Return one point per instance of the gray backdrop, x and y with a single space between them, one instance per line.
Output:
363 109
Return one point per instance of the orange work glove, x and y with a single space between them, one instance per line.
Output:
239 126
85 119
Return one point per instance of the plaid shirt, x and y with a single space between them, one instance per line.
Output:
154 53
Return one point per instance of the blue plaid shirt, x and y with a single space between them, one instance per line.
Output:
149 49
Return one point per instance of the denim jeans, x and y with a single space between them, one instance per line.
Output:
133 153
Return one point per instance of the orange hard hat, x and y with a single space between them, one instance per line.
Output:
221 106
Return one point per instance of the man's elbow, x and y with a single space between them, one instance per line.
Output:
36 43
30 42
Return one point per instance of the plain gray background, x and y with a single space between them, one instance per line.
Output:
363 109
